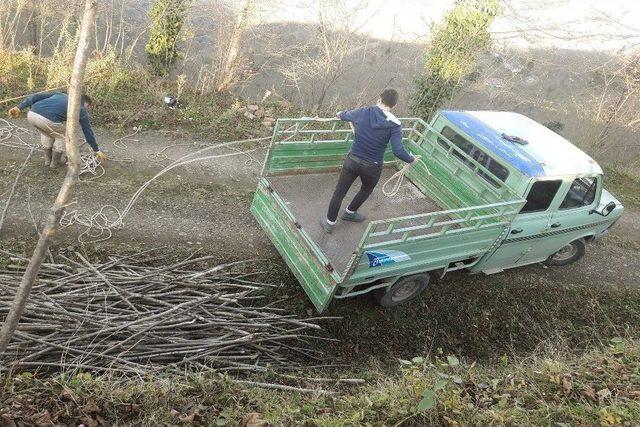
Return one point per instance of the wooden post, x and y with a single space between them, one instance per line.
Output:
73 154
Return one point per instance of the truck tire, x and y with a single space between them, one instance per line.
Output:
568 254
403 290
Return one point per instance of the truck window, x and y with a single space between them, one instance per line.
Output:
581 193
496 169
541 195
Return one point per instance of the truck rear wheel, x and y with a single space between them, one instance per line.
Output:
568 254
403 290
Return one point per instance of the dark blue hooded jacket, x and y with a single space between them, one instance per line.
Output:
374 130
53 106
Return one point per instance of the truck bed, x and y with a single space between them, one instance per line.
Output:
308 195
445 217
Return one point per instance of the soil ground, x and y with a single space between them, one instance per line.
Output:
206 206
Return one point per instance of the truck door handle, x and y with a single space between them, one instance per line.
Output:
516 231
555 225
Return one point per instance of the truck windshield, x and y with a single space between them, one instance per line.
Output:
581 193
496 169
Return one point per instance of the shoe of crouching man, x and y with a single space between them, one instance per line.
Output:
47 156
353 217
328 228
57 159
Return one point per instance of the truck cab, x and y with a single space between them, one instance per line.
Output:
566 203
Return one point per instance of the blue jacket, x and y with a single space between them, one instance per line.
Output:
374 129
53 106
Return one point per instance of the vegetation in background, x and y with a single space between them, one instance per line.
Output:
167 18
623 185
20 72
452 53
126 95
553 387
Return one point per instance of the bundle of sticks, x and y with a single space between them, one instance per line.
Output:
136 314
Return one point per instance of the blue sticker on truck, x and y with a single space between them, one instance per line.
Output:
378 259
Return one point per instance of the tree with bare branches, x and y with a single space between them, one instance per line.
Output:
70 180
230 65
314 68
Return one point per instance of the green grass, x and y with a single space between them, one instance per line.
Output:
623 186
550 387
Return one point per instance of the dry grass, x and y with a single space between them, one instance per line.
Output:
553 386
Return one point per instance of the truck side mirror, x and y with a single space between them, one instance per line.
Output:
606 210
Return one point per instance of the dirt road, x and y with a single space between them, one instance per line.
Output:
206 206
203 205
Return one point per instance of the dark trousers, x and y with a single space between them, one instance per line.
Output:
352 168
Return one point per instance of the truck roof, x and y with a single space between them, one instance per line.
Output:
545 153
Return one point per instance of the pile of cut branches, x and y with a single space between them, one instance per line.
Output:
134 314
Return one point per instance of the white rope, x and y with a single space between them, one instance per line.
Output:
161 156
12 136
91 165
397 179
100 225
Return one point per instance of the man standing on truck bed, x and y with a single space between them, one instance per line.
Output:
48 114
374 127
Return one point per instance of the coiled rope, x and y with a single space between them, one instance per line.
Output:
397 179
11 135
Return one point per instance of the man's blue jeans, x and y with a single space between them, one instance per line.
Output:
352 168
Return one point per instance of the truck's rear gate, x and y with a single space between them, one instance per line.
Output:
303 257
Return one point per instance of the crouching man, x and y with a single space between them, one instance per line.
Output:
48 114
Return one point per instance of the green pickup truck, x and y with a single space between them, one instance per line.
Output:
493 190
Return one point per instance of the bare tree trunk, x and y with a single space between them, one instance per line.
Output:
229 70
73 154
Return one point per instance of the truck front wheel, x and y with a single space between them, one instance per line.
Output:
568 254
403 290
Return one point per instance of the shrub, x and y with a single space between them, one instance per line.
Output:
162 50
20 72
452 52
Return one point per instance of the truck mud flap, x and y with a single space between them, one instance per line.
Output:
306 262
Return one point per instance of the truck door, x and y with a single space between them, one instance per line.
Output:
572 218
523 242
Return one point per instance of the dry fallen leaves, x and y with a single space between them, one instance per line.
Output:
567 384
7 421
91 407
590 393
192 418
448 422
252 419
69 395
43 419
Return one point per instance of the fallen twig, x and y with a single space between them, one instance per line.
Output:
128 314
